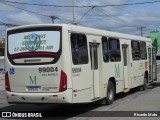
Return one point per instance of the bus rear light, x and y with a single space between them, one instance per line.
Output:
7 84
63 82
55 95
12 94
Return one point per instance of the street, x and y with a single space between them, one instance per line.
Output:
135 100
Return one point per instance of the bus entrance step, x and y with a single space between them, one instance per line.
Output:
126 90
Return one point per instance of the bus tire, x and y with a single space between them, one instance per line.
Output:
110 93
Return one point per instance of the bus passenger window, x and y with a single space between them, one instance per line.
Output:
143 50
114 50
79 49
1 51
135 50
105 49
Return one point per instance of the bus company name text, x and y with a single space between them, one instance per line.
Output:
39 35
34 42
40 48
76 70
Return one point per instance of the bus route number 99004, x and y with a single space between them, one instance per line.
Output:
47 69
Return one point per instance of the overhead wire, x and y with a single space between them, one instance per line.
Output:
85 14
103 11
7 24
80 6
31 11
113 5
23 9
92 6
89 3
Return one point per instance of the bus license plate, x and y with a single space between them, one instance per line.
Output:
33 88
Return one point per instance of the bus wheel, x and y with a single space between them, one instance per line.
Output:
110 93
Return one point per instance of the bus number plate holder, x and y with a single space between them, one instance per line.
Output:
33 88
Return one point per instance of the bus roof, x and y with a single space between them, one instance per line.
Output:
87 30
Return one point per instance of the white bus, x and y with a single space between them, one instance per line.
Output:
62 63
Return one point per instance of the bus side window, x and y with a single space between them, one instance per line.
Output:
1 51
143 50
135 50
105 49
79 49
114 50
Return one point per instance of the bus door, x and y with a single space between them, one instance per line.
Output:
125 50
152 65
94 56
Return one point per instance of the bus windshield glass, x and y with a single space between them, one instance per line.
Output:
34 41
34 45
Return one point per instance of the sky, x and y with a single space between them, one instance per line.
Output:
124 19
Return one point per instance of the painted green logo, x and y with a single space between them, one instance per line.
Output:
117 71
33 80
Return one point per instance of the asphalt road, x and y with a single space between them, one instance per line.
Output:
135 100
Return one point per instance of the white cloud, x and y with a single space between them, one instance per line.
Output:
115 18
25 17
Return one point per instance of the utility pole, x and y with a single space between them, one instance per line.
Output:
141 28
73 11
53 18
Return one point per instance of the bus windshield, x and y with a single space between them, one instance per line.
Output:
46 41
33 43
